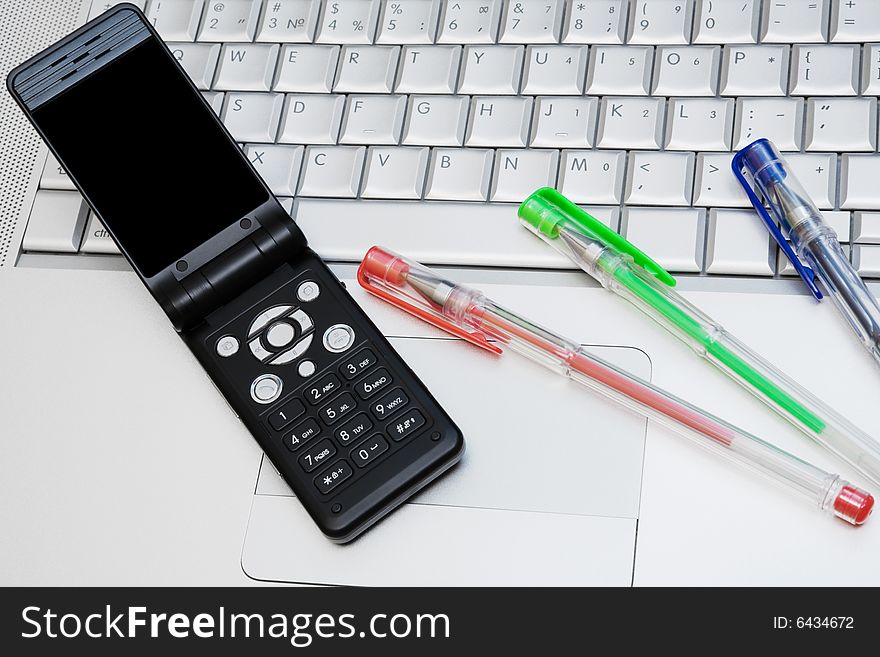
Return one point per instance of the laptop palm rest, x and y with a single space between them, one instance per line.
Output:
546 493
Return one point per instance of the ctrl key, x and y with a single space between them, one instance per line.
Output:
330 479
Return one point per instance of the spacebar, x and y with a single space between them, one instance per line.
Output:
438 233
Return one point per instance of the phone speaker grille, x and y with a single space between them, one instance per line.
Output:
26 27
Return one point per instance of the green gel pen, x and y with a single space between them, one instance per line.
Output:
625 270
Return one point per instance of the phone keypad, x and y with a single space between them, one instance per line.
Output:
368 421
343 411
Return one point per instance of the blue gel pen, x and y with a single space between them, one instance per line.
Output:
815 250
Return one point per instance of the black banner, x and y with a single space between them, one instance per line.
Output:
327 621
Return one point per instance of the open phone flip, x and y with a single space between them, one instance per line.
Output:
345 422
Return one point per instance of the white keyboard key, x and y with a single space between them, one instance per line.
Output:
56 222
778 119
230 20
519 173
307 68
854 21
251 116
871 70
428 69
660 21
592 176
859 176
100 6
247 67
175 20
311 119
630 123
393 172
825 70
470 21
793 21
215 100
348 21
699 124
817 173
839 221
491 70
367 69
289 21
408 21
715 184
754 71
497 121
96 238
564 122
727 21
54 176
866 227
199 60
866 260
332 171
373 120
659 179
841 124
691 71
620 70
459 174
278 166
436 120
672 237
738 243
531 21
555 70
595 21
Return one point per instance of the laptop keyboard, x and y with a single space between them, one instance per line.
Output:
353 110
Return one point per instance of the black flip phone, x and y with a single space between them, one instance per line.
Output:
343 419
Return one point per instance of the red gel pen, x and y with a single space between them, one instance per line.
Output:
470 315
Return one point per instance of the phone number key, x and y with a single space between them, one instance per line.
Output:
390 403
317 455
330 479
361 362
368 451
372 384
405 425
337 409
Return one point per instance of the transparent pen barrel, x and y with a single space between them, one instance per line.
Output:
734 444
764 380
568 358
850 294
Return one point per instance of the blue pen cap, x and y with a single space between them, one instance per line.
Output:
765 178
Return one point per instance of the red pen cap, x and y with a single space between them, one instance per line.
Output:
853 505
411 287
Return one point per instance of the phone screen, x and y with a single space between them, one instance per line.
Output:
159 170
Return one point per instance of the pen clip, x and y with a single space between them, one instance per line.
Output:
806 274
539 205
435 319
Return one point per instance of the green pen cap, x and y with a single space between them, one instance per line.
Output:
548 211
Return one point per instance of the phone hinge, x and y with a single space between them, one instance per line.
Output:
275 241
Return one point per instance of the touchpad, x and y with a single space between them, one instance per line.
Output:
549 466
